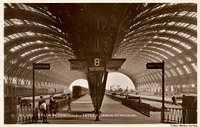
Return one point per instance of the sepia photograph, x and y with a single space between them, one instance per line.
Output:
100 63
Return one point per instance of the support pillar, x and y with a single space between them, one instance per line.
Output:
97 83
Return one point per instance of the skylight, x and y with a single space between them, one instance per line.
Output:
31 51
194 66
173 72
185 45
177 50
17 21
188 70
180 71
30 33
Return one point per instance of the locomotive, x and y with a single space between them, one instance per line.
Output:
79 91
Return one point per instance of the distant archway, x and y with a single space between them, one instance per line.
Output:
114 78
120 79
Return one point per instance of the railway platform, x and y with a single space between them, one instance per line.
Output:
156 101
112 112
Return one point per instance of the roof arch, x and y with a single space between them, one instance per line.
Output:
41 32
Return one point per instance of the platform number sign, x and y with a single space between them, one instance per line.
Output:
41 66
154 65
96 64
160 66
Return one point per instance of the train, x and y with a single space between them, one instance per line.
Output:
79 91
26 91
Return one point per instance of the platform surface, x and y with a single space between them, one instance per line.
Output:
156 103
112 112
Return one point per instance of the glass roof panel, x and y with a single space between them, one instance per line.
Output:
38 56
171 54
6 39
160 54
192 14
6 23
17 21
180 71
185 45
11 36
188 70
188 58
31 51
173 72
180 61
171 23
193 27
176 49
194 66
184 35
168 74
182 13
167 45
29 33
27 22
193 39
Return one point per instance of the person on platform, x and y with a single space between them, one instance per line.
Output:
52 105
43 107
69 102
40 102
140 100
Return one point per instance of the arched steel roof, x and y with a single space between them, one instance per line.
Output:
160 32
141 34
